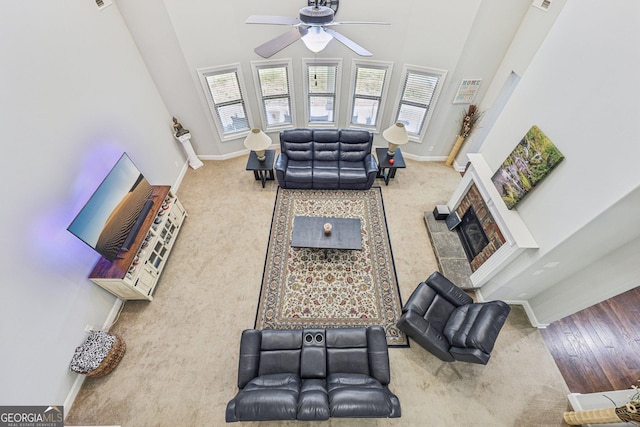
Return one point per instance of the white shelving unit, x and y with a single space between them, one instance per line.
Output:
135 273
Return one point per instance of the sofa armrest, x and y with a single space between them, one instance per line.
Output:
445 288
370 164
378 354
420 330
281 167
281 162
249 361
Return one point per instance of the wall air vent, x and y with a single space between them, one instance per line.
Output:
542 4
103 3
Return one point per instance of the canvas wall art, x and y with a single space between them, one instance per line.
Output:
530 162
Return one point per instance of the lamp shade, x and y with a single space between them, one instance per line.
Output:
396 134
257 140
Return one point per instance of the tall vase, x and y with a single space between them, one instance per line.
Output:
454 150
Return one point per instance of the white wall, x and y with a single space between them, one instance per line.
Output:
151 28
75 95
467 38
530 34
578 89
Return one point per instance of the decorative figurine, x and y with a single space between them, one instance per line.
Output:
178 129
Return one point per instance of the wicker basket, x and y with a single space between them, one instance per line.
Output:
111 360
600 416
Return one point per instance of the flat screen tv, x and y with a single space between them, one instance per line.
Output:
112 216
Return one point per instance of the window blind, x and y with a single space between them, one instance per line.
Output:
417 93
228 102
274 90
321 89
367 95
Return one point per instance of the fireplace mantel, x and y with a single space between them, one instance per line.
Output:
517 235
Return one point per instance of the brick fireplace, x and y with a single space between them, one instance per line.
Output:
505 230
473 199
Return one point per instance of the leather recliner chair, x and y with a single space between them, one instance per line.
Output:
443 319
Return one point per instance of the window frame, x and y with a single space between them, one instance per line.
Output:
203 73
432 72
337 62
358 63
256 66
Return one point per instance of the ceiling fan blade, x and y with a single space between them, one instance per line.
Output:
349 43
272 20
273 46
357 22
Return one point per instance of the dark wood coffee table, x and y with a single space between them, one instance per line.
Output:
308 232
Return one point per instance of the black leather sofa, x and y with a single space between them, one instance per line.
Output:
313 374
326 159
443 319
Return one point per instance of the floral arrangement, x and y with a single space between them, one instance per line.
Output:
469 120
630 412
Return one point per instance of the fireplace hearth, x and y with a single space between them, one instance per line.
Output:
472 235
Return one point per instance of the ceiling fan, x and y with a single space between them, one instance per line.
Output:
312 27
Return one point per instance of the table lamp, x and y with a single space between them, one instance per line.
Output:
395 135
258 141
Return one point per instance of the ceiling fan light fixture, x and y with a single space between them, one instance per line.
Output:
316 39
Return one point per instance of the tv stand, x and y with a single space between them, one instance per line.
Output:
134 274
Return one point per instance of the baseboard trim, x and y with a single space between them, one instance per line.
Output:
77 384
232 155
524 303
530 314
178 181
73 393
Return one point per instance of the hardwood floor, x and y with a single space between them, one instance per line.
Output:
598 349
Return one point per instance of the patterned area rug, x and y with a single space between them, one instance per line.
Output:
349 288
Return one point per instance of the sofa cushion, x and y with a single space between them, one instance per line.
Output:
357 395
314 402
347 351
298 150
352 172
476 325
299 171
439 312
280 352
354 151
256 400
326 174
326 151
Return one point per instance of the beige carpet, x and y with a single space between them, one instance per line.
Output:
181 360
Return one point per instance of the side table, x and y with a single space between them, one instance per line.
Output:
262 170
387 170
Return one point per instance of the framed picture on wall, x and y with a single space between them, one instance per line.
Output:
530 162
467 91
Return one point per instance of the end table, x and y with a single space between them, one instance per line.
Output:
262 170
387 170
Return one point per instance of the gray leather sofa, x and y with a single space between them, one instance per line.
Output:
313 374
443 319
326 159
